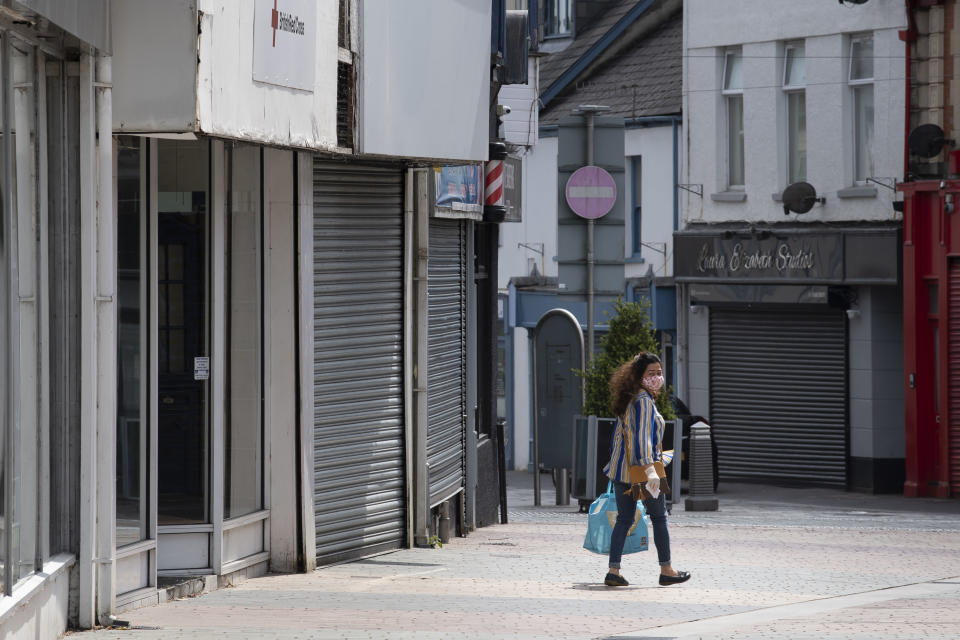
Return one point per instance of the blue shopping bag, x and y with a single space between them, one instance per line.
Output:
600 520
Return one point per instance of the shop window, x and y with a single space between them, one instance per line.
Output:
243 488
23 294
183 462
733 102
860 80
132 274
794 82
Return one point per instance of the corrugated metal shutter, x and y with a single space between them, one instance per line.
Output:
446 375
778 394
953 366
359 475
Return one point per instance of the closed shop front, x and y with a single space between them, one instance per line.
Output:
778 393
446 392
931 311
792 351
359 431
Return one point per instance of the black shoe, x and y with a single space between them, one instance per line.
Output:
682 576
613 580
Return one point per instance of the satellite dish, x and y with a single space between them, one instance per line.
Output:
927 140
800 197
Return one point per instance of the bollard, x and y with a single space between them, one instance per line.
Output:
443 526
701 496
561 480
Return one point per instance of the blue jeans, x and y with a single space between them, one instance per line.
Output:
626 511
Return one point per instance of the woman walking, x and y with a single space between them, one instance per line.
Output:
637 443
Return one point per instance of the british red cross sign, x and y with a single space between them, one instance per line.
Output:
591 192
284 43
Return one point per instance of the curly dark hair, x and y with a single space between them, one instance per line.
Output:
626 380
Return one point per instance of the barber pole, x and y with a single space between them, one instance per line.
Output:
493 190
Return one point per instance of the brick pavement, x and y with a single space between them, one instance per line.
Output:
778 565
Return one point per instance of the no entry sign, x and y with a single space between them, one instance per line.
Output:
591 192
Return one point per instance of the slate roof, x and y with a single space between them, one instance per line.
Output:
555 64
644 80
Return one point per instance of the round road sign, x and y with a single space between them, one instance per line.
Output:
591 192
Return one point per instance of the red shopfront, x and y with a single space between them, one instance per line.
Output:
931 336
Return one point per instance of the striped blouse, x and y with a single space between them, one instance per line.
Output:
644 424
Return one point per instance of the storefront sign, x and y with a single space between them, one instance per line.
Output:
459 188
285 43
512 189
747 257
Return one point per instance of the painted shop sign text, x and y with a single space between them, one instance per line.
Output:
741 258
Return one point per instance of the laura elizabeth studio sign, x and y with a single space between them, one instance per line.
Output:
752 258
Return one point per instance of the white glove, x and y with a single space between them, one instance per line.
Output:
653 482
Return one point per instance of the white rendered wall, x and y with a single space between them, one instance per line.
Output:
825 26
425 79
39 605
231 104
654 145
717 23
539 226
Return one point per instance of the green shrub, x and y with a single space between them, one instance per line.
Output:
631 332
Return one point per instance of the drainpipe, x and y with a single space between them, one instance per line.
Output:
907 36
106 345
10 319
89 372
676 176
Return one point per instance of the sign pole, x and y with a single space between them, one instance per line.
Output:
591 261
589 111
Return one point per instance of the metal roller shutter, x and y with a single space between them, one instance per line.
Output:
953 366
359 496
446 375
778 394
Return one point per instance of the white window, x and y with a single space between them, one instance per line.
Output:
861 86
558 21
733 98
794 82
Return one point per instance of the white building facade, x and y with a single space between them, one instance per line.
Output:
789 324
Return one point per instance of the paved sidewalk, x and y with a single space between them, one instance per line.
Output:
772 563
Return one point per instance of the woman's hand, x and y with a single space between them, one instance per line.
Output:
653 482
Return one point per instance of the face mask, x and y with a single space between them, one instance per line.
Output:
653 383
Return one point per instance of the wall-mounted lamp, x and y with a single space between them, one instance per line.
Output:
853 314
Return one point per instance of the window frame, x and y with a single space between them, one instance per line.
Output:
729 94
855 86
789 91
548 7
636 210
